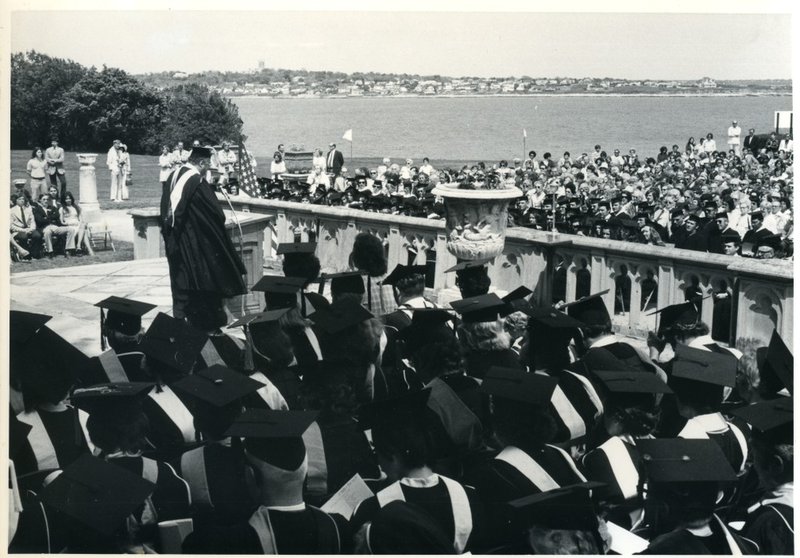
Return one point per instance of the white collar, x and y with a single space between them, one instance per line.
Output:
293 508
609 339
784 494
425 482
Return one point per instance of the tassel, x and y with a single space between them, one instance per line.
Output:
249 365
102 335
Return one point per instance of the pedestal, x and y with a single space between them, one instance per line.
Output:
90 207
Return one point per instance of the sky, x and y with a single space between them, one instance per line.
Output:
509 42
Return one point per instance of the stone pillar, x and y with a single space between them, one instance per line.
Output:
147 242
90 207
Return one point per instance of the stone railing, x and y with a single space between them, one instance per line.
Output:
750 297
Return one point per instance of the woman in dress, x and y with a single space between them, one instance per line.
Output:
70 213
318 159
36 170
124 170
278 166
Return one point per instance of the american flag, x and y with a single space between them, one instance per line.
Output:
248 183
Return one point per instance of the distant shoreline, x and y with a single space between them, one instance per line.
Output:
507 95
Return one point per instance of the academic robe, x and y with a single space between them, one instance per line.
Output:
200 254
722 541
300 530
57 439
771 524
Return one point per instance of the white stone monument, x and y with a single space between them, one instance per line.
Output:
90 207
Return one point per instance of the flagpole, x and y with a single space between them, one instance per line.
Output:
524 144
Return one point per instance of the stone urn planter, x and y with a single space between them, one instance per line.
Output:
476 219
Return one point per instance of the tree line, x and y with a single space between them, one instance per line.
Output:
87 108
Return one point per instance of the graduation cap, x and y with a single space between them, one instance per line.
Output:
551 317
217 386
568 507
516 385
275 437
772 241
401 272
340 315
469 264
111 399
704 366
776 365
122 314
279 292
403 409
97 494
198 151
679 460
731 236
772 419
23 325
259 317
173 342
296 248
49 365
428 325
630 388
683 316
482 308
403 528
345 282
516 299
591 310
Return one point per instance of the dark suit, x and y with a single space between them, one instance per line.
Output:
335 161
755 236
749 143
696 241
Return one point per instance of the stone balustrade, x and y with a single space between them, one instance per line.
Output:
746 298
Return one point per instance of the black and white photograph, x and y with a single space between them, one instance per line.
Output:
406 278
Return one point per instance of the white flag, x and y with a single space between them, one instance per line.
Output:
524 133
348 135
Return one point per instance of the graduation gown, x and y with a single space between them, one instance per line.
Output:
169 500
200 254
722 541
299 530
575 406
770 523
56 439
171 423
455 507
224 350
215 474
478 363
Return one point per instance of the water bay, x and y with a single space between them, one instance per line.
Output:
490 128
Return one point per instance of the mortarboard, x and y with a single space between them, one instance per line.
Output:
631 381
482 308
173 343
274 436
770 241
568 507
428 325
198 151
403 528
772 419
405 408
23 325
684 460
111 398
123 315
704 366
684 315
296 248
776 365
469 264
551 317
218 386
49 364
401 272
259 317
97 494
340 315
731 236
516 299
516 385
279 292
345 282
591 310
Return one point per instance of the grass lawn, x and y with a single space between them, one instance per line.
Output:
124 252
146 189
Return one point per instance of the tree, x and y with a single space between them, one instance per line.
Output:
107 105
193 112
38 82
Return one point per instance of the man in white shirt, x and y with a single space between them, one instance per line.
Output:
710 145
316 179
734 133
113 164
180 156
226 159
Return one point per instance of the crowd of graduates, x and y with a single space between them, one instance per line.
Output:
318 426
677 197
